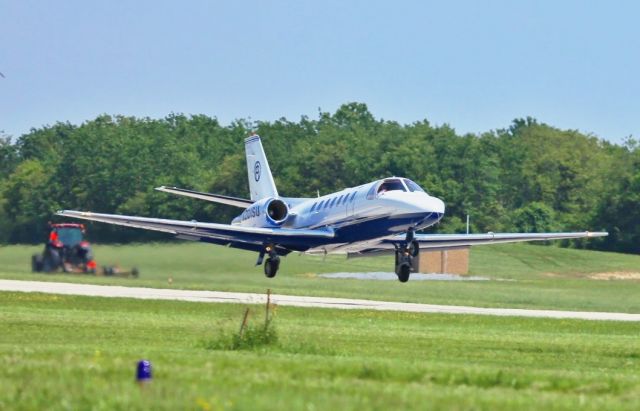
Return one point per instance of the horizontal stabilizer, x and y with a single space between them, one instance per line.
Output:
216 198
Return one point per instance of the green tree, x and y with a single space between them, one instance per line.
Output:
26 201
535 217
528 177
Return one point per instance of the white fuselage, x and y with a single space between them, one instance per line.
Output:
363 213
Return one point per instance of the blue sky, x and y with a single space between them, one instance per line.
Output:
475 65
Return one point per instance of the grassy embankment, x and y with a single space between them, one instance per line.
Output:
539 277
62 352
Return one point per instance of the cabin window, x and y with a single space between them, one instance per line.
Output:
339 200
320 205
326 205
353 196
313 207
413 186
333 202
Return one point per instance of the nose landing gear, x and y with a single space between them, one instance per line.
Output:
405 255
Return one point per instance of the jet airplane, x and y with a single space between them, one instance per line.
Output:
377 218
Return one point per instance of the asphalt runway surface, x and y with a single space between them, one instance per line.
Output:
292 300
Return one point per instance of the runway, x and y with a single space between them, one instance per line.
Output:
293 301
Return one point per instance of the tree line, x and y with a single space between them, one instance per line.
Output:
528 177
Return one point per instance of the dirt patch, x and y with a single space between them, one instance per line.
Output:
615 276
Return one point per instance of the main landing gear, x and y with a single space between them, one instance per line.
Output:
405 253
272 263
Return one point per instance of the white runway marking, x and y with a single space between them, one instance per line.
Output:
292 300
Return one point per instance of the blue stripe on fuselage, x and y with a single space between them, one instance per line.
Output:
356 231
384 227
351 232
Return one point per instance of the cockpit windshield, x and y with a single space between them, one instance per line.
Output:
413 186
392 184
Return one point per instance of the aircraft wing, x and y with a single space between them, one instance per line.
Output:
452 241
216 198
247 238
463 240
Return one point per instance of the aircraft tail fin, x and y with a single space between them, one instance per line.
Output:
261 184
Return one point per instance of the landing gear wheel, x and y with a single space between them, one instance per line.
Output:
403 271
404 260
271 266
414 248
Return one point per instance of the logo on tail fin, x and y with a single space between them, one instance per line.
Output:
256 171
261 184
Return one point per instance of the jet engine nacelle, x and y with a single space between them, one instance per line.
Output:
268 212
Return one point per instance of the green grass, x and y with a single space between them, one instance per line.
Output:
538 276
63 352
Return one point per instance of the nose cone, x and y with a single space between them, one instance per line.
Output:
423 209
437 205
425 203
416 202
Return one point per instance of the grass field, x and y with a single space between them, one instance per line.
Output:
62 352
537 276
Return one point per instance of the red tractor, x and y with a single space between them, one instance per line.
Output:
67 250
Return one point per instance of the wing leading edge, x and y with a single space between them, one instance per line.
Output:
451 241
463 240
248 238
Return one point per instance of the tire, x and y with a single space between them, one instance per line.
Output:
271 267
403 271
36 263
414 248
51 261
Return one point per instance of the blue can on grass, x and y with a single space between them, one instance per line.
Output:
143 372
